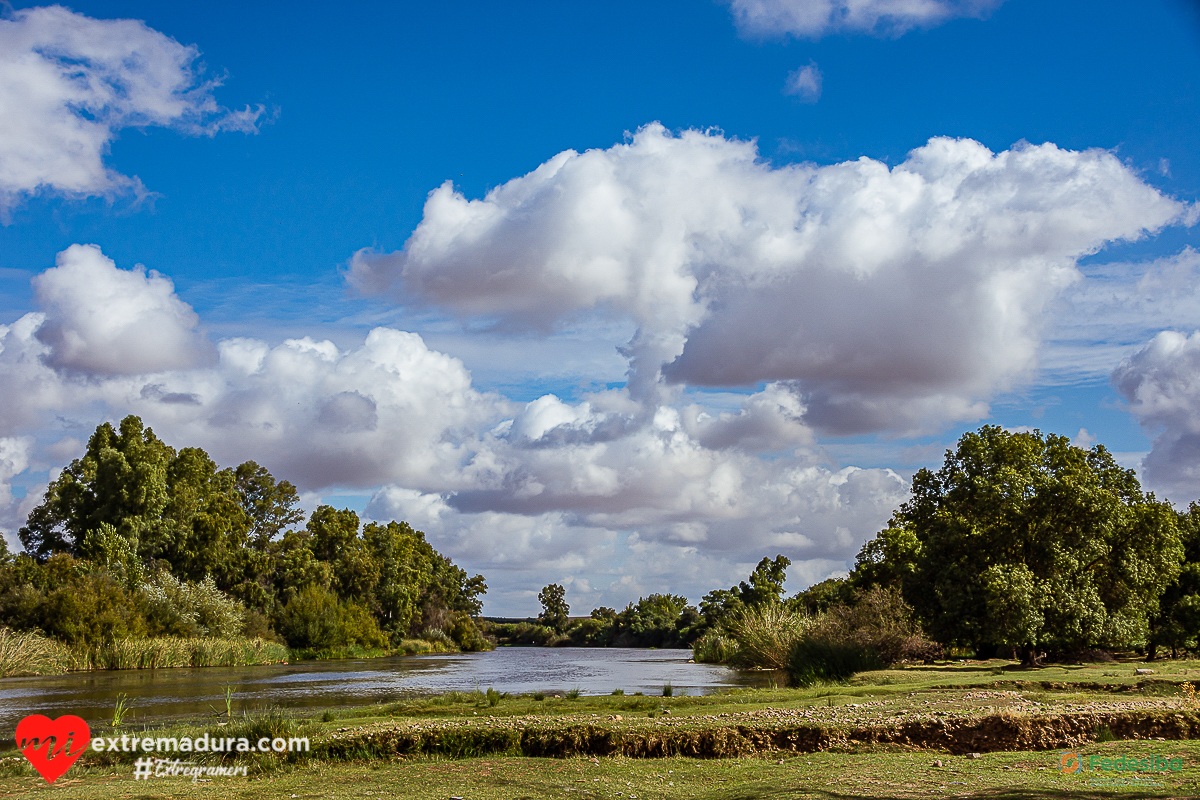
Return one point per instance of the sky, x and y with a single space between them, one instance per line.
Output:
620 296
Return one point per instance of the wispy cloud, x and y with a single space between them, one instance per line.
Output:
812 19
804 84
69 83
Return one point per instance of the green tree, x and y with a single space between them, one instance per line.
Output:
272 505
555 611
1177 625
121 480
1022 540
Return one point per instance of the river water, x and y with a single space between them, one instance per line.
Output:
158 694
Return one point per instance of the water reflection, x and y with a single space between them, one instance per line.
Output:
158 694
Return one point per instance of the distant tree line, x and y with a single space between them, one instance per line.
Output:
1021 545
136 538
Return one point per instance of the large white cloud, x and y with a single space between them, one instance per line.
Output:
69 83
813 19
891 298
611 495
1161 384
101 320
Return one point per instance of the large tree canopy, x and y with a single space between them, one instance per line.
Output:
1023 540
133 506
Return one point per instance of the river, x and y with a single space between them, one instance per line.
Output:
155 695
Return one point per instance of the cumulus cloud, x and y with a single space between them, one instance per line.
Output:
804 84
1161 384
101 320
888 298
70 83
605 493
812 19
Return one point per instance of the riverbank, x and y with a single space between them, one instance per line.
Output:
983 728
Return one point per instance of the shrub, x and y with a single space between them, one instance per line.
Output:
315 620
879 621
310 619
714 647
813 660
765 636
183 608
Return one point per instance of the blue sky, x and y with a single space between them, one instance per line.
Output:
1068 304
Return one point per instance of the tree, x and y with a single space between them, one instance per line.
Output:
1022 540
272 505
1177 625
121 480
555 610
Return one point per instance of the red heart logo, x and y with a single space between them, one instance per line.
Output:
52 745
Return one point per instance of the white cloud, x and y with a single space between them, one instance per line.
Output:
812 19
69 83
804 84
890 298
1161 384
1103 319
605 493
102 320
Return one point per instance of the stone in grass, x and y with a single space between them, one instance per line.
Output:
937 763
1143 672
974 755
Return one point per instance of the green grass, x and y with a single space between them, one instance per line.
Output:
827 776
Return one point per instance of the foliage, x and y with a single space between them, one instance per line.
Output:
555 611
1177 624
316 619
765 635
880 622
183 608
763 587
815 660
221 555
1023 540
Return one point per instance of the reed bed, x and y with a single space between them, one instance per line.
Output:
172 651
767 635
28 653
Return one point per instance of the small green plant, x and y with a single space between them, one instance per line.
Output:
573 694
618 692
328 716
637 694
1105 734
121 710
668 690
539 696
493 697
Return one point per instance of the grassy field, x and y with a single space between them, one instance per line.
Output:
821 742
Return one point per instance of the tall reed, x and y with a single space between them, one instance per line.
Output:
766 635
28 653
173 651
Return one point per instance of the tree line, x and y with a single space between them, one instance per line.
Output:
1021 545
136 539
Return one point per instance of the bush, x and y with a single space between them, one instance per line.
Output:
813 660
766 635
879 621
715 647
315 620
183 608
462 631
